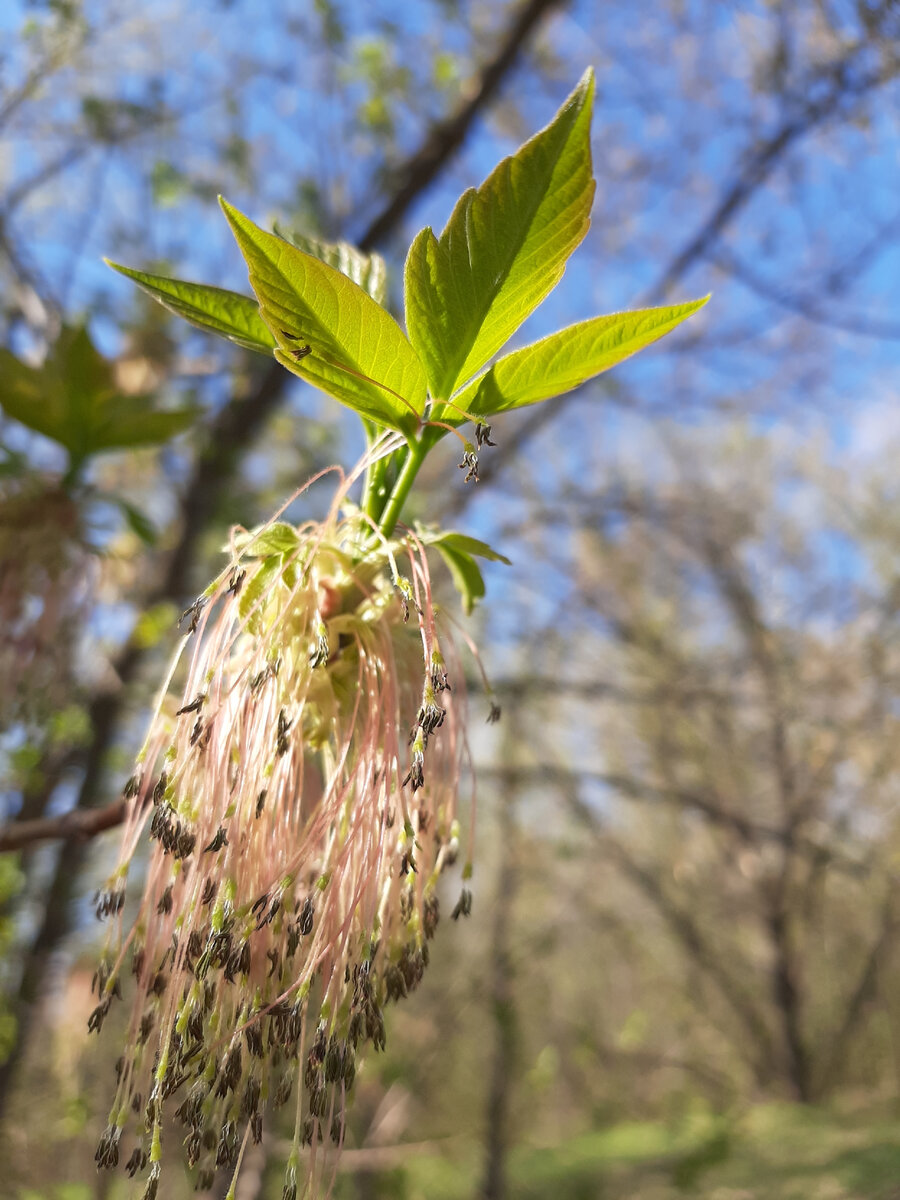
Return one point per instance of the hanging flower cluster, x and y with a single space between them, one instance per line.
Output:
301 798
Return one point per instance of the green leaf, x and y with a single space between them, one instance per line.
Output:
138 522
565 359
504 248
72 399
253 590
358 352
367 270
211 308
466 574
277 538
462 543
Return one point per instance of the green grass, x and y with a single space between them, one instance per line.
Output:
776 1152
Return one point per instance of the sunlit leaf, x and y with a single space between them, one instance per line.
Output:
357 351
211 308
504 248
565 359
462 543
466 575
368 270
277 538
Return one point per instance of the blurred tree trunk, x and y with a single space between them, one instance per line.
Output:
501 983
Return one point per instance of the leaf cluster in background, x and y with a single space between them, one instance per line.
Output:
73 400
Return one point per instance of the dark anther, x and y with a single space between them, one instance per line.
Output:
260 803
193 611
185 843
108 903
439 679
282 744
494 715
256 1128
318 1102
229 1144
431 717
250 1099
152 1112
319 655
430 915
137 1162
254 1039
469 463
293 941
231 1072
195 705
375 1028
219 841
416 775
394 983
190 1112
194 1147
349 1069
483 434
108 1150
307 913
152 1188
463 905
234 583
160 790
132 787
209 892
165 901
195 1024
274 958
197 731
334 1060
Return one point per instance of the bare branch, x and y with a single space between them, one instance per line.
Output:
79 824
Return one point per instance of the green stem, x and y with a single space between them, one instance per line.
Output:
396 500
373 499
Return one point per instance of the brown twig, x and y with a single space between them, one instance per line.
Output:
80 824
